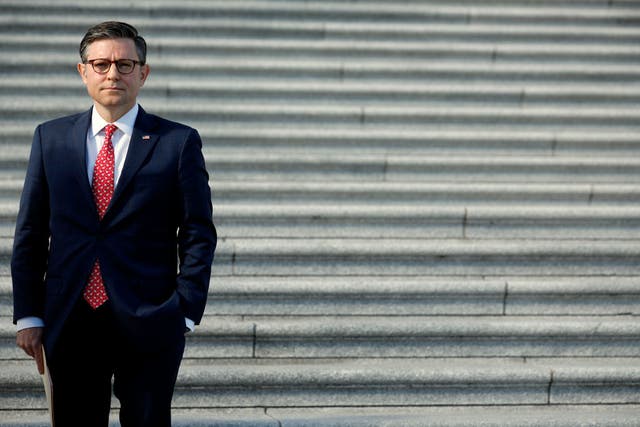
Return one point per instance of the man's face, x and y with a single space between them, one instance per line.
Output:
113 92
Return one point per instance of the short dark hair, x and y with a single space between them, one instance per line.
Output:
113 30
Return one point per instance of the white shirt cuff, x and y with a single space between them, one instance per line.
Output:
30 322
190 324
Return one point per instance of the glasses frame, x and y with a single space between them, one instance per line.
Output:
117 62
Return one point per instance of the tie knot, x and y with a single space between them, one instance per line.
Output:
108 131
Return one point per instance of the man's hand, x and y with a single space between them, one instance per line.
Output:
30 340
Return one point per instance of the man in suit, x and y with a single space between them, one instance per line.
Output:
113 245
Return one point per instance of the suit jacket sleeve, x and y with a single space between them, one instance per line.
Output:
31 241
196 232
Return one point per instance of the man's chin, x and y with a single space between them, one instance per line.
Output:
112 101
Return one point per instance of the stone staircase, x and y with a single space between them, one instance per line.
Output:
429 211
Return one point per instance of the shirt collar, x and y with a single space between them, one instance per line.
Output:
124 123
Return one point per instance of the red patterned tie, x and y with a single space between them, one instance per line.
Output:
102 185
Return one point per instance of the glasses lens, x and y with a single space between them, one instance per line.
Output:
125 66
101 66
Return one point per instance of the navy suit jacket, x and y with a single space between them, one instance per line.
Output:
155 243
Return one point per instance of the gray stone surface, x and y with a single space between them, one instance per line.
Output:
429 205
488 416
576 416
440 257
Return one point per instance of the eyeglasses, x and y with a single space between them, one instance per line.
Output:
102 66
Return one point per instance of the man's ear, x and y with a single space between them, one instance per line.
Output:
82 70
144 72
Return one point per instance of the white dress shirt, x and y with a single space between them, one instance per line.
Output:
120 141
95 139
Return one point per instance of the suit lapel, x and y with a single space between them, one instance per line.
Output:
78 141
142 142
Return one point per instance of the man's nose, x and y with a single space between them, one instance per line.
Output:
113 72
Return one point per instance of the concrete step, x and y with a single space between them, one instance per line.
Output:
389 117
508 50
16 140
295 337
363 11
375 167
212 67
441 337
508 222
353 49
377 382
393 296
414 381
320 29
250 256
344 93
436 257
373 71
423 296
478 416
365 221
410 194
411 295
423 194
433 257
